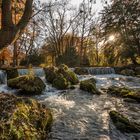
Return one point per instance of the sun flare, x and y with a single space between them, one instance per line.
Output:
111 38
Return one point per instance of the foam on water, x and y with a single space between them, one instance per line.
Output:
80 115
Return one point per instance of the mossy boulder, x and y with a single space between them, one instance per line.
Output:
27 84
50 73
60 82
63 67
61 77
70 76
89 86
123 124
137 70
23 119
11 73
81 71
128 72
124 93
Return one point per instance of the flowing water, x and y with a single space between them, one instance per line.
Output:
79 115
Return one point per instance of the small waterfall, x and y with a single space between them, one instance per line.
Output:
101 70
37 71
3 77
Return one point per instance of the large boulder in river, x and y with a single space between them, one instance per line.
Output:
60 82
81 71
123 124
11 73
61 77
23 119
89 86
68 74
124 93
50 73
27 84
128 72
137 70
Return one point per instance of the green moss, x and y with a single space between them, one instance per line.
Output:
23 118
27 84
71 77
63 67
61 77
81 71
50 73
89 86
11 73
60 82
124 93
123 124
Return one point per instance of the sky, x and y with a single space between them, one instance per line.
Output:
97 7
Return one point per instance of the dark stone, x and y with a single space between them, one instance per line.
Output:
89 86
81 71
124 93
11 73
123 124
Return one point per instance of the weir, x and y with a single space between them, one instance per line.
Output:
36 71
100 70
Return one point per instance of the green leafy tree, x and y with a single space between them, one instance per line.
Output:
122 17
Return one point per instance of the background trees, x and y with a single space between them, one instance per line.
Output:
122 18
63 33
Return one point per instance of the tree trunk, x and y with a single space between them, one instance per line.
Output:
15 61
10 32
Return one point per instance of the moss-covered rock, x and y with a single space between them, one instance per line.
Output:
128 72
124 93
27 84
11 73
63 67
81 71
61 77
89 86
50 73
137 70
123 124
71 77
23 119
60 82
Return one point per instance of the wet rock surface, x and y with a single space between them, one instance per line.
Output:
23 118
123 124
27 84
61 77
89 86
124 93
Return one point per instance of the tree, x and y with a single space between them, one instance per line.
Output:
10 31
122 17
